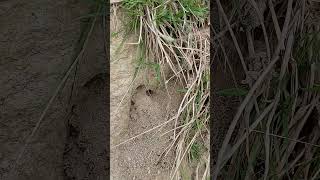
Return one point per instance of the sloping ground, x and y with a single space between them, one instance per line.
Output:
174 52
122 67
142 158
121 75
37 42
135 108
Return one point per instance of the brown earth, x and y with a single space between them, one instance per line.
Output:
38 39
137 106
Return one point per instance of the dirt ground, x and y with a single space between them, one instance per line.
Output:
71 143
38 40
85 155
135 108
142 157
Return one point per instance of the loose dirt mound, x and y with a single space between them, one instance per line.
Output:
143 157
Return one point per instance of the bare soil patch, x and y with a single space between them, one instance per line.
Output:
38 39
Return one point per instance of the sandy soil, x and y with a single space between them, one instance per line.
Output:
71 143
37 40
142 108
142 158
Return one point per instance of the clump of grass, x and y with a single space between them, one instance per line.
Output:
195 151
172 13
175 33
279 138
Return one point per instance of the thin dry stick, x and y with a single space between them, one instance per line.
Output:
286 138
145 132
197 171
286 21
275 20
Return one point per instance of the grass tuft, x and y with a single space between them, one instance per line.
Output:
274 129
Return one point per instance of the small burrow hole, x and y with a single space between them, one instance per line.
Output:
149 92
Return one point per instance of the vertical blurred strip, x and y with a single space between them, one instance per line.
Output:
214 27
